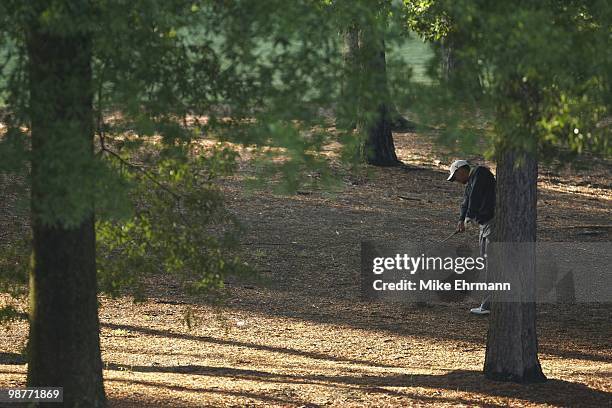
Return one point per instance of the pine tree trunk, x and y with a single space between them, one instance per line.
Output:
348 108
379 149
512 347
64 344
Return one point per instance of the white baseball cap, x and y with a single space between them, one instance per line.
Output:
456 165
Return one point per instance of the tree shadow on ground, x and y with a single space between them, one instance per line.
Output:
556 392
271 399
12 359
241 394
274 349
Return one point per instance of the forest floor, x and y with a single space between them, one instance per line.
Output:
304 337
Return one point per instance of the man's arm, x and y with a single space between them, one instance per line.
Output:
463 211
464 205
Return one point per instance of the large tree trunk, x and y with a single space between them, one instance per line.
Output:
64 344
512 346
376 120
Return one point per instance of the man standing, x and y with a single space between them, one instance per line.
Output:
478 206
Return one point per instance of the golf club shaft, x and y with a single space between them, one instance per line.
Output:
449 237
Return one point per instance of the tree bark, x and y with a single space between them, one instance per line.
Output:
64 345
348 108
376 120
379 148
512 346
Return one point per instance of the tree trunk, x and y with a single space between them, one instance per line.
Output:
512 346
64 345
447 59
379 149
348 109
457 71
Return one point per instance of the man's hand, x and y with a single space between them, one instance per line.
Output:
460 227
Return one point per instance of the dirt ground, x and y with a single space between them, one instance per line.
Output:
305 338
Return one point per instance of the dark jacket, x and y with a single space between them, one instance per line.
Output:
479 198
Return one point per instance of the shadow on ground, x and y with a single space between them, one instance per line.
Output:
555 392
12 359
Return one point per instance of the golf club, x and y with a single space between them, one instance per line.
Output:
449 237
